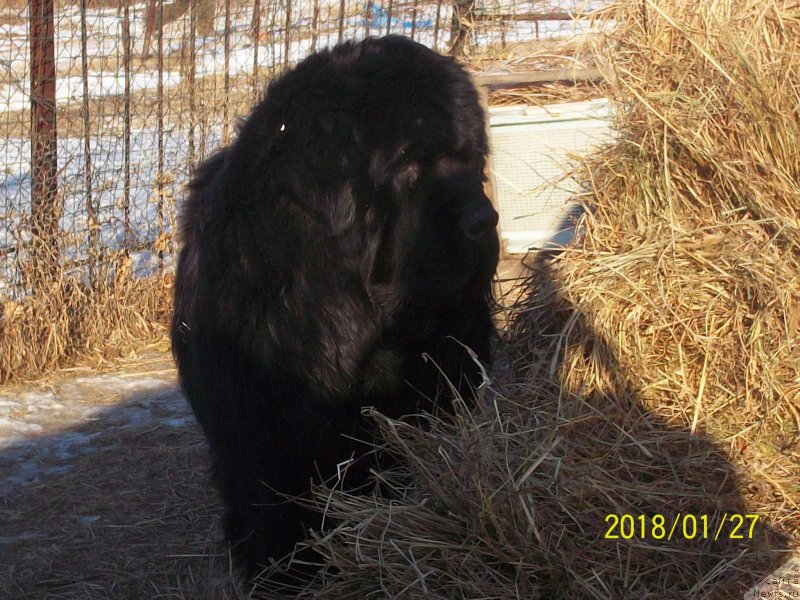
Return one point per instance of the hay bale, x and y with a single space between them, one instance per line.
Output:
654 370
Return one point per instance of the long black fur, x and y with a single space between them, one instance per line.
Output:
336 256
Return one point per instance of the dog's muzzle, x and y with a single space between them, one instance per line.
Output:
478 221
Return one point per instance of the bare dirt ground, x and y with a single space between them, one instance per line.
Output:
105 491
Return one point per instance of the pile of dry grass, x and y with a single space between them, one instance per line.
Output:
696 234
654 370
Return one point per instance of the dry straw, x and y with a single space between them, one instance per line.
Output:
69 320
652 371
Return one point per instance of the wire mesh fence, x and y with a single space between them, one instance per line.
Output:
106 106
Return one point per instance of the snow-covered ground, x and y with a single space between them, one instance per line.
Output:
104 40
39 436
107 163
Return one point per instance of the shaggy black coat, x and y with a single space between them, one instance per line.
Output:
336 256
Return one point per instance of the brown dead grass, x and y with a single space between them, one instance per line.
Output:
70 321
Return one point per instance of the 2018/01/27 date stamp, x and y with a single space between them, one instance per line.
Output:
688 526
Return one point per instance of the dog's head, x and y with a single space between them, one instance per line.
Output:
437 238
378 148
431 228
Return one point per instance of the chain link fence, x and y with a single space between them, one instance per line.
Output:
106 105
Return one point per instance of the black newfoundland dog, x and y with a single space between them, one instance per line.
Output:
338 255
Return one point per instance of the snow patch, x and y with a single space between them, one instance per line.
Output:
43 433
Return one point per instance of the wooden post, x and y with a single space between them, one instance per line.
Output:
256 28
127 49
44 158
342 9
226 80
287 44
93 227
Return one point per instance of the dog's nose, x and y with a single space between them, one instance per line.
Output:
479 221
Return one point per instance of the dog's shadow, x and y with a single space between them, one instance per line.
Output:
653 506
